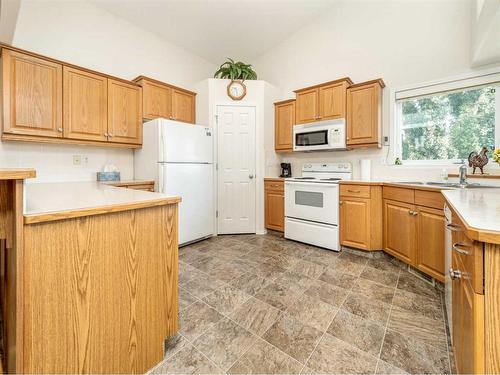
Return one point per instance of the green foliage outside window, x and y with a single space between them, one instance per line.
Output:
448 125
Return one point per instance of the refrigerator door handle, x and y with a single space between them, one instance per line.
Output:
161 187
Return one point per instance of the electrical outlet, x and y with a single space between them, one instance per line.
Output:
77 159
386 141
85 159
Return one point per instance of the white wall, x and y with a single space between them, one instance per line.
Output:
82 34
404 42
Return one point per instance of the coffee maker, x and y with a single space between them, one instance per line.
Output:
286 170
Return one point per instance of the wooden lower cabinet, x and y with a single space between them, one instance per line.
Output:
468 323
414 228
400 230
430 240
274 203
361 217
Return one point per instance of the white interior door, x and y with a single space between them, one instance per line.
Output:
236 173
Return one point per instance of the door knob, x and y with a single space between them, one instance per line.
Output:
250 176
455 274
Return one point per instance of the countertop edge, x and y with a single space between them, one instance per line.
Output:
474 233
91 211
17 173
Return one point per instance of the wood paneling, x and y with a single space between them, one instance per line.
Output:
332 101
364 114
124 112
284 120
85 105
306 106
400 230
100 292
430 242
157 100
32 95
274 203
183 106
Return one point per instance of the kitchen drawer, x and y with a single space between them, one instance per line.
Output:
433 199
274 185
470 253
399 194
360 191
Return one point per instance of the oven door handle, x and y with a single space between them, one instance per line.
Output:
322 184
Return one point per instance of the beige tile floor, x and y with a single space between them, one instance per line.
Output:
265 305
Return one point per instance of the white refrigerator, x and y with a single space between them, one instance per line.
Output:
179 157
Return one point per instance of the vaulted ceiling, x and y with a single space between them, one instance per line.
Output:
216 29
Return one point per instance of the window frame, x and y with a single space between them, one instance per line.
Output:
482 78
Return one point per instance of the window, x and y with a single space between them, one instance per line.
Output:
446 125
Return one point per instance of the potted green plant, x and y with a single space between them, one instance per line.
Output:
237 72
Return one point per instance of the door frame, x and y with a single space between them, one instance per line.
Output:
257 176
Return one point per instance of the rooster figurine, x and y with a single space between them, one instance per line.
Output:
478 160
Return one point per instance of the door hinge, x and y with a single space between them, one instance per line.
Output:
216 166
216 119
217 213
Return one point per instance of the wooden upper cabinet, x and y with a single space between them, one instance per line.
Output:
157 100
32 95
322 102
430 241
183 106
332 101
85 105
124 112
162 100
306 106
400 230
364 114
284 120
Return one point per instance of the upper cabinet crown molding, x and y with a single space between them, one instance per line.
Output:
162 99
339 80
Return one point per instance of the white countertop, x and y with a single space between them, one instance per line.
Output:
478 208
43 198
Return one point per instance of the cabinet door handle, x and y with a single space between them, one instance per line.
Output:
106 135
340 202
410 212
354 191
60 130
453 227
110 135
460 248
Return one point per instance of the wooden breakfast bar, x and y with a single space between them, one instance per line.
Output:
91 276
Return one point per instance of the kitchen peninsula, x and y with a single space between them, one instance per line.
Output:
91 281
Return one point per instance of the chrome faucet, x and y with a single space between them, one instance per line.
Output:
462 174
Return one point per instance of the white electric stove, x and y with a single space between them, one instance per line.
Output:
312 204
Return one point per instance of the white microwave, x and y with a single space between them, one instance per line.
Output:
321 135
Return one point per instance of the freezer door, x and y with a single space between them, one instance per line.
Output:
194 184
185 143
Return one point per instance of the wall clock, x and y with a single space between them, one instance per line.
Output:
236 90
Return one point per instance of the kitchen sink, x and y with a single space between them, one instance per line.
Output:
449 184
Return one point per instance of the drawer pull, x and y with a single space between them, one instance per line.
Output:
455 274
413 213
354 191
459 248
453 228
